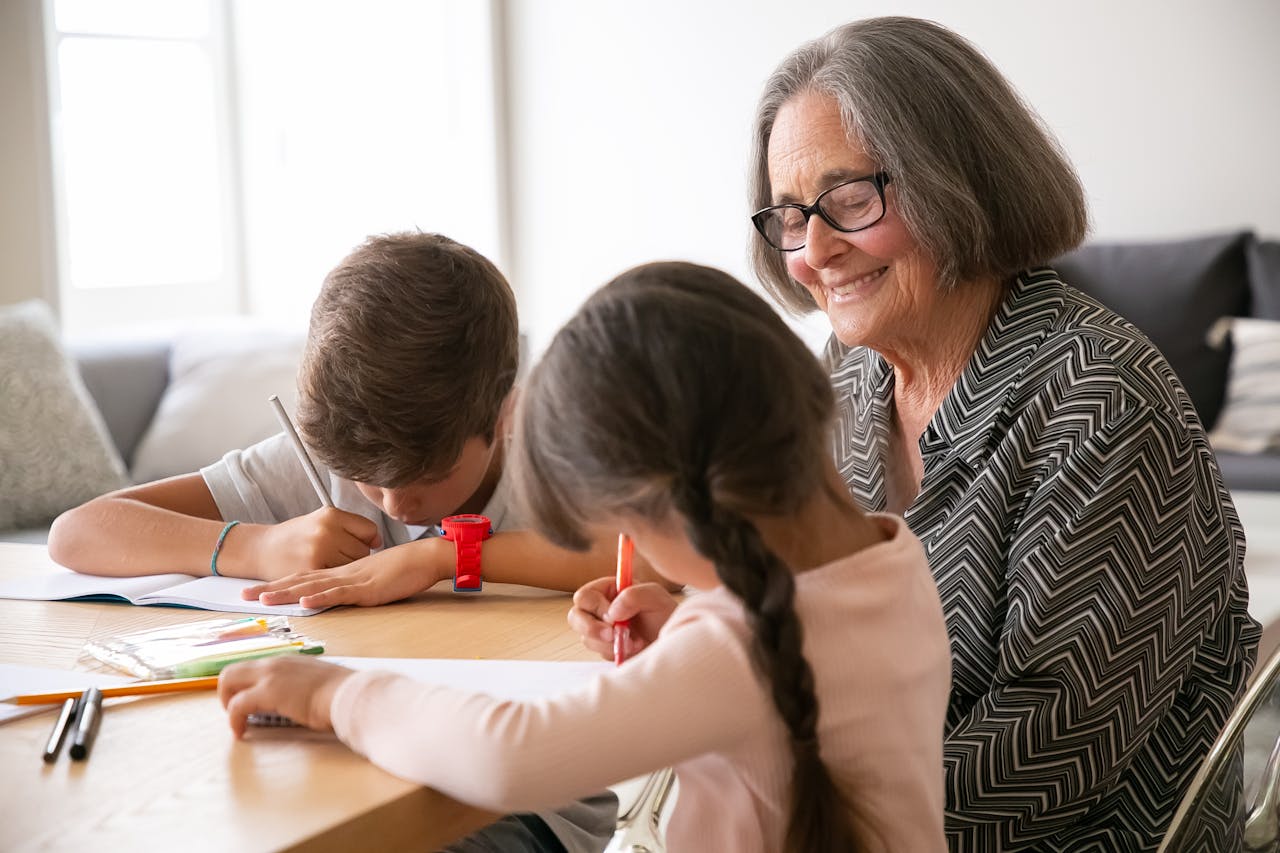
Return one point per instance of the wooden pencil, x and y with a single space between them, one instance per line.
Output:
136 688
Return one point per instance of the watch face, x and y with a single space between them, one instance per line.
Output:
465 519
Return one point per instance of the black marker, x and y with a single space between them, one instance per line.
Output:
60 729
87 724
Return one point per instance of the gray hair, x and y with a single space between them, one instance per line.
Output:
981 184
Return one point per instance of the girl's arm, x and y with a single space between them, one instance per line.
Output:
508 756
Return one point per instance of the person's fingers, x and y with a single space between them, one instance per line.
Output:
233 679
594 596
636 600
235 691
362 529
590 628
291 593
252 592
362 594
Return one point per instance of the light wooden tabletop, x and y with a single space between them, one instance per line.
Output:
165 772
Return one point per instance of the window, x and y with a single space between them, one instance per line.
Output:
142 161
218 157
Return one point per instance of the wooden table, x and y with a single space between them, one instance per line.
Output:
166 773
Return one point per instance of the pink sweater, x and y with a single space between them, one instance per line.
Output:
873 633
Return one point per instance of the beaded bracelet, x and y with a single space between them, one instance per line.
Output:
213 561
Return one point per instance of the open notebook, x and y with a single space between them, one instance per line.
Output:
211 593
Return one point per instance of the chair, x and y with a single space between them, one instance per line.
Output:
640 824
1252 730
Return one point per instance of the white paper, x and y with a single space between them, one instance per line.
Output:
503 679
211 593
17 680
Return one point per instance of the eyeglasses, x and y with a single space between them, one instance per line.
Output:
848 207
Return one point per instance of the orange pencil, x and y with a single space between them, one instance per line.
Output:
622 628
137 688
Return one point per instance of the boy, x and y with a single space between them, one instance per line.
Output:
405 394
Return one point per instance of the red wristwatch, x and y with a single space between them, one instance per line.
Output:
466 532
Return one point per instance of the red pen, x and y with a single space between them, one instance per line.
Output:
622 628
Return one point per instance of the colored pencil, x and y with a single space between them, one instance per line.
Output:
622 628
136 688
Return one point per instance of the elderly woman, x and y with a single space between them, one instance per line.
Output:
1087 552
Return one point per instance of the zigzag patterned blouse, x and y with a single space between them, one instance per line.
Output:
1090 564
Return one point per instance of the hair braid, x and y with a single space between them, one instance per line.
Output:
766 586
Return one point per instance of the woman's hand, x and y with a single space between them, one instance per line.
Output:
381 578
597 606
299 687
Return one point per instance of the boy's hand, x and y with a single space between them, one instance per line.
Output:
297 686
322 539
381 578
597 605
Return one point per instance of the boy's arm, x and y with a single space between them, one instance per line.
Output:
517 556
524 557
166 526
172 526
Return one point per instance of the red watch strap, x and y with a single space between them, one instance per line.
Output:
467 533
466 573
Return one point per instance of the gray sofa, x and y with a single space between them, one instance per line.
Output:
1174 291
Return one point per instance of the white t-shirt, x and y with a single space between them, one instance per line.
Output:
266 484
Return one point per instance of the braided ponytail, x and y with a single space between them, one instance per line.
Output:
751 571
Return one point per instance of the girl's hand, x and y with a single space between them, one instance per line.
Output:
299 687
597 606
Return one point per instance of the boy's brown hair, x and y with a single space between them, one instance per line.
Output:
412 350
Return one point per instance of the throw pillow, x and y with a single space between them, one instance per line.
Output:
1250 419
55 452
220 377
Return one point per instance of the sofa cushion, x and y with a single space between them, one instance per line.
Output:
1173 292
1250 472
1264 278
1250 418
54 449
127 377
220 376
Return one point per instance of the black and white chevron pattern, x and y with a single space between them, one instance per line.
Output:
1090 564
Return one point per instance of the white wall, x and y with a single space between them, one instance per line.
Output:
630 121
26 241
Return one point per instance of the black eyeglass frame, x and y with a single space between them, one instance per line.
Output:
878 179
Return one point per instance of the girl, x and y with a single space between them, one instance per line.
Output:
801 697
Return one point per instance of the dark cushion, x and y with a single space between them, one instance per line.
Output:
1173 292
1257 472
1264 278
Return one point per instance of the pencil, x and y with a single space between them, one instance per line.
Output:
137 688
300 449
622 628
